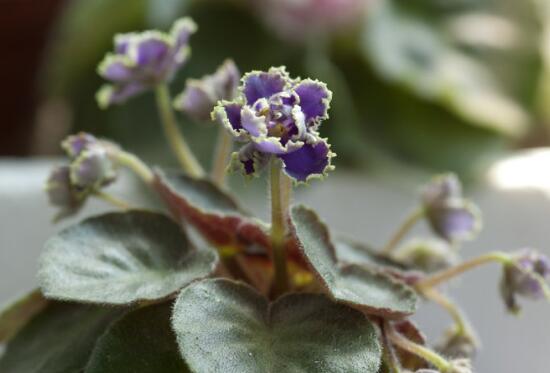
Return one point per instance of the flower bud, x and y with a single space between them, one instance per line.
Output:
457 344
92 169
449 214
61 192
200 96
525 277
76 144
427 255
461 366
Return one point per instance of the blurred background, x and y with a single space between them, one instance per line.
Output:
420 86
433 84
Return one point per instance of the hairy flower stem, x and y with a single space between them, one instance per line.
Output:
447 274
462 325
405 227
279 211
388 353
112 200
175 138
425 353
224 147
135 164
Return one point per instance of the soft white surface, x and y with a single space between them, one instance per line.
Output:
358 206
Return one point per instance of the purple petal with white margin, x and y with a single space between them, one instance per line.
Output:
273 145
119 93
117 69
151 51
314 99
122 41
309 160
259 84
255 125
228 113
182 30
249 161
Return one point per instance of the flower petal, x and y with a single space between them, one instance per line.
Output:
197 100
255 125
225 80
76 144
260 84
459 220
151 50
117 94
228 113
117 68
249 161
182 30
122 41
309 161
315 99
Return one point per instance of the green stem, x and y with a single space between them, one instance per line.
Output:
447 274
175 138
425 353
135 164
224 146
389 355
405 227
462 325
112 200
279 211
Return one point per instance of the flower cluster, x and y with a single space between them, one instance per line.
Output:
450 215
144 60
279 117
90 169
201 95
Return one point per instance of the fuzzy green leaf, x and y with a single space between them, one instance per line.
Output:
213 212
360 286
223 326
141 341
58 340
120 258
17 314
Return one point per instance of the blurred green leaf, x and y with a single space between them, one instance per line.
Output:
59 340
142 341
415 54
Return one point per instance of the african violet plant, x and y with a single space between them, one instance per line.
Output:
202 286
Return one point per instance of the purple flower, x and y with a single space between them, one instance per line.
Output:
143 60
200 96
449 214
279 116
526 277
